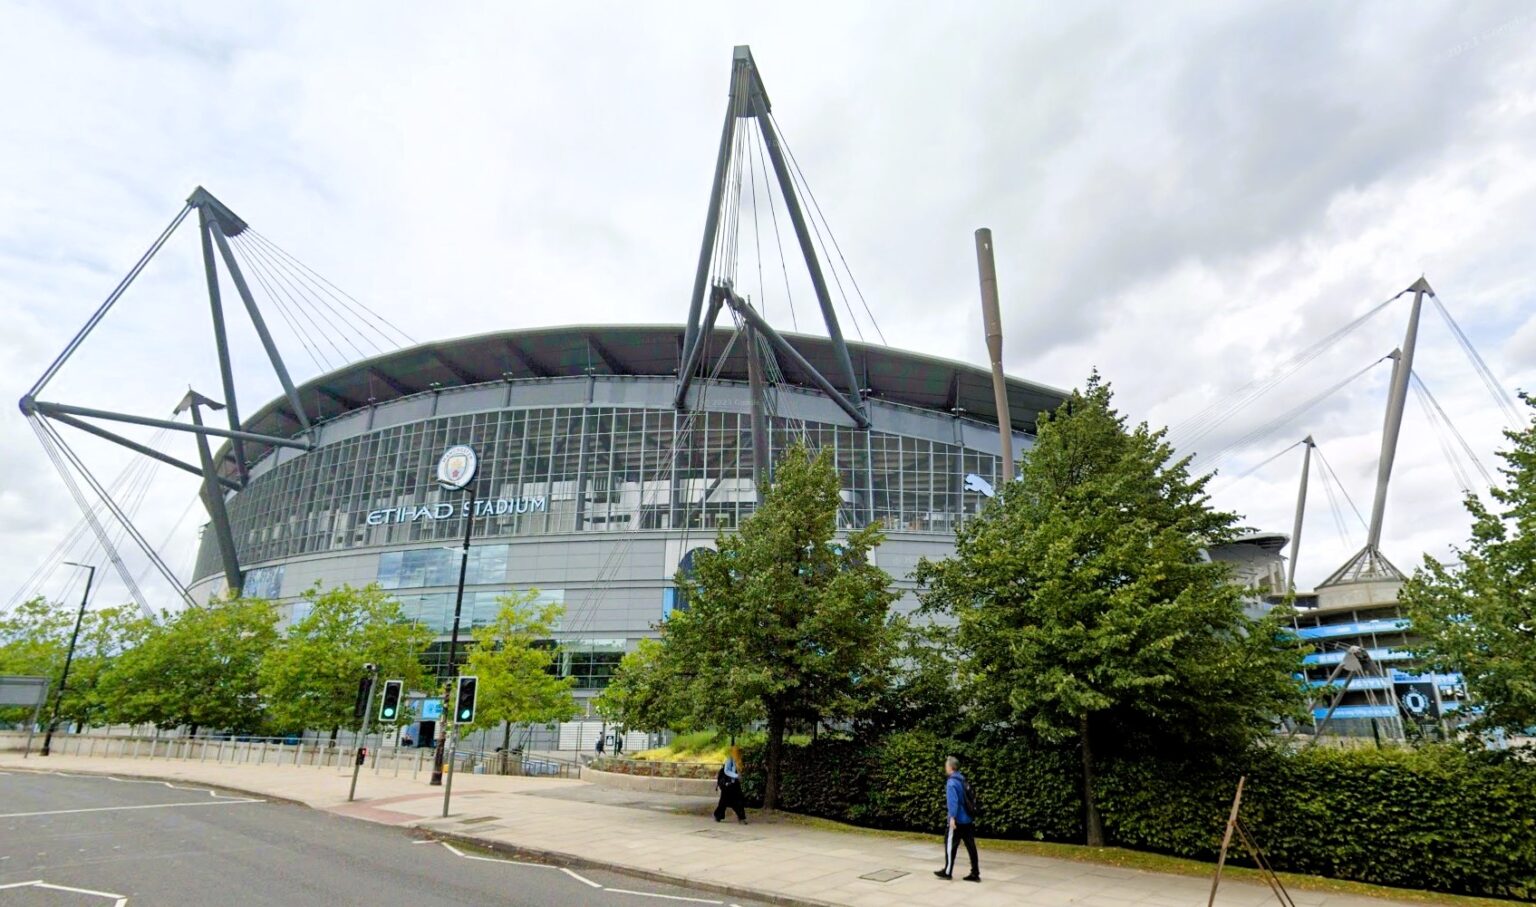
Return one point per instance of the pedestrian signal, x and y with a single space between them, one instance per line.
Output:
389 708
464 701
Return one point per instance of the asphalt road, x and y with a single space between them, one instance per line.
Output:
93 840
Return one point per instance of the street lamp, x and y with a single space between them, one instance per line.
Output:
58 697
455 472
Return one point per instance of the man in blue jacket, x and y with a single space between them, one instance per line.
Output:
961 826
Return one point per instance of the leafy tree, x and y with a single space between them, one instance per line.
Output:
33 637
1479 616
1087 610
105 634
515 663
646 693
197 668
310 678
783 624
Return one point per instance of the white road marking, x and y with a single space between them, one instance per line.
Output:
578 878
669 897
119 900
111 809
585 881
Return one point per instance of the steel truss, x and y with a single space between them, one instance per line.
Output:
217 224
749 100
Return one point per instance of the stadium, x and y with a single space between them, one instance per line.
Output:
593 487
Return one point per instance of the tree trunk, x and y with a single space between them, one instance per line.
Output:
333 735
775 754
506 738
1091 820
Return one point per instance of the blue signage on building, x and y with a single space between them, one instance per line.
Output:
431 709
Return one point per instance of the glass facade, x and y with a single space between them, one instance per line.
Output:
440 567
574 469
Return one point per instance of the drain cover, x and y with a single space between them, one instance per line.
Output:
883 875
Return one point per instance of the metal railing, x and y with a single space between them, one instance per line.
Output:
301 752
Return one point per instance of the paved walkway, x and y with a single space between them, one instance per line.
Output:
673 838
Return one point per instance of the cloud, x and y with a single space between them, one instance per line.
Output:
1184 196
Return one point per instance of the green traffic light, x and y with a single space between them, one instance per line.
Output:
464 715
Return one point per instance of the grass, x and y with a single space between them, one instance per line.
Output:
1156 862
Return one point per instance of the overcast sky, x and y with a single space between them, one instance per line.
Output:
1185 196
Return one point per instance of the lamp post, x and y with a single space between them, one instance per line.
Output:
58 697
455 471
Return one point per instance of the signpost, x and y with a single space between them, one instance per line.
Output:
25 690
455 472
464 696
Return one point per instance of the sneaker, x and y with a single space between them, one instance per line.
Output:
973 877
942 874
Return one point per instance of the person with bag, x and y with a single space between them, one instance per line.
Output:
960 801
728 780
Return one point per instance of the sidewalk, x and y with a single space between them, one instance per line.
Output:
673 839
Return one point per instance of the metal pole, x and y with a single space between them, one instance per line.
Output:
37 711
69 657
48 409
992 320
221 338
357 764
1301 509
259 324
733 109
213 497
1402 373
453 652
807 248
761 455
793 355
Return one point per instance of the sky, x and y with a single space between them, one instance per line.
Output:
1185 196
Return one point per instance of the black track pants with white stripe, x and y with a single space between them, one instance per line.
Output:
960 831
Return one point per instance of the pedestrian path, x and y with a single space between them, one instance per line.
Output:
674 839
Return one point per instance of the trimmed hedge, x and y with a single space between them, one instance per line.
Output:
1437 818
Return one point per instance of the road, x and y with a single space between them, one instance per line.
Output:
92 840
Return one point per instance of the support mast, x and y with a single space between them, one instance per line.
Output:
1301 509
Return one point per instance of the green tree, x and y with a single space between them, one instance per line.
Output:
33 637
783 623
310 678
515 663
197 668
646 693
105 634
1086 608
1478 616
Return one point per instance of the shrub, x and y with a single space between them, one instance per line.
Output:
1437 818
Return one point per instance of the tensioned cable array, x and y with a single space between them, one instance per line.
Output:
1192 429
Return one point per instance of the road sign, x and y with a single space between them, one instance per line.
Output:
389 708
464 700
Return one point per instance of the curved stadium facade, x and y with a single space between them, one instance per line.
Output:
592 486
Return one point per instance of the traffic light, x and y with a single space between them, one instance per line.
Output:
364 688
389 707
464 701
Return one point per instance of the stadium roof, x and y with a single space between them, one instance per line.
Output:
640 350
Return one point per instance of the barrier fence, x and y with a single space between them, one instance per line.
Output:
303 753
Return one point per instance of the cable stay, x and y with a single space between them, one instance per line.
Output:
1446 432
1233 480
1328 468
1501 396
1284 419
1207 420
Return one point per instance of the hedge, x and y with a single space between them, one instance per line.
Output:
1436 818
